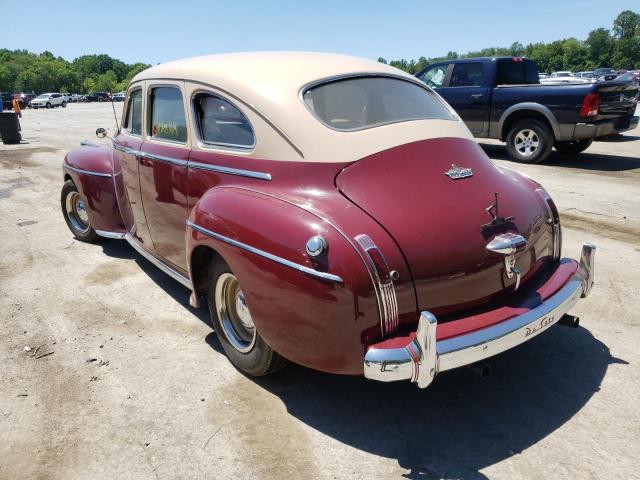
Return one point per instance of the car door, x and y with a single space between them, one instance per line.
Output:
163 161
127 175
467 90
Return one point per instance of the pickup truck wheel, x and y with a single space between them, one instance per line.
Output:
234 325
75 213
529 141
568 148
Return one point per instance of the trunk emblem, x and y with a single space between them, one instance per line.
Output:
456 172
506 245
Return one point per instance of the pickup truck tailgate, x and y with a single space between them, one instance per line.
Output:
617 99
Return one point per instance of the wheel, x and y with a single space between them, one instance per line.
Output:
579 146
529 141
75 214
48 105
64 104
234 326
100 99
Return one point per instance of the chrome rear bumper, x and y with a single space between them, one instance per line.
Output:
424 357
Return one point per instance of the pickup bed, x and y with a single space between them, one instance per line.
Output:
502 98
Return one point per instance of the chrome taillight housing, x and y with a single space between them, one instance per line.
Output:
554 221
382 278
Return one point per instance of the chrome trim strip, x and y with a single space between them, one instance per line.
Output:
160 158
86 172
267 255
127 150
424 357
230 171
157 262
115 235
87 143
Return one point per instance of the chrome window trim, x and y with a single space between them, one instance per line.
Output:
219 146
231 171
267 255
347 76
86 172
124 129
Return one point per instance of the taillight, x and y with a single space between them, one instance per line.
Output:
554 221
590 105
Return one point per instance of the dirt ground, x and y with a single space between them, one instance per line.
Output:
107 372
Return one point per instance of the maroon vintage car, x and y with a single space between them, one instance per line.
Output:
332 211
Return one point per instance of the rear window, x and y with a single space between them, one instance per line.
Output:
517 72
365 102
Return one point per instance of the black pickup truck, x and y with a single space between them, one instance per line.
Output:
502 98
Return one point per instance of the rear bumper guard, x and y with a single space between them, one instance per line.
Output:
422 359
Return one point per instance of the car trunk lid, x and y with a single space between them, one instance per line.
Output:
437 221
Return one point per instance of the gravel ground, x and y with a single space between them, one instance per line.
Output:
107 372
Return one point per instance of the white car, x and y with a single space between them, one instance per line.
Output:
562 74
49 100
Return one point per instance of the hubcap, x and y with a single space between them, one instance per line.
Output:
76 213
233 313
527 142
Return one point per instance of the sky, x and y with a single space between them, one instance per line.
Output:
154 31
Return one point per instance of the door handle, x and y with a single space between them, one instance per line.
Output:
477 96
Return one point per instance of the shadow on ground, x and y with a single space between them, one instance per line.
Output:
456 427
585 160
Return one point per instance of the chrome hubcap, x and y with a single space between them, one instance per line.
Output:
77 214
527 142
233 313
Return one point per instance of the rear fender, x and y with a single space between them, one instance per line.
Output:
91 169
312 311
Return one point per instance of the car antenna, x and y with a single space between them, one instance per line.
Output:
115 116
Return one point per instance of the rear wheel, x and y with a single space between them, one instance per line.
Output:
579 146
64 104
234 325
529 141
75 214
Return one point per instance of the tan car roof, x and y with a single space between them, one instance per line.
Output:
270 83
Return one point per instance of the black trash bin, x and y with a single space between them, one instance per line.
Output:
10 128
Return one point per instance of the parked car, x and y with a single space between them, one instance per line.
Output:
599 72
118 97
49 100
24 99
305 218
542 76
97 97
632 76
585 75
502 98
7 99
562 74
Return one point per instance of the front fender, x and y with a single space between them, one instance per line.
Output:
317 315
91 169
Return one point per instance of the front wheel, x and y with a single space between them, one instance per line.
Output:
75 214
529 141
568 148
234 325
48 105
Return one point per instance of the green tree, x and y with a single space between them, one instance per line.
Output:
626 25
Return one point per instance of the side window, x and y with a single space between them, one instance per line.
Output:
133 120
166 114
434 76
220 123
466 75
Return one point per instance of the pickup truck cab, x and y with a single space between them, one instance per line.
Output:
502 98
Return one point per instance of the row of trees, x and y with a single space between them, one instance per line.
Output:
23 71
618 48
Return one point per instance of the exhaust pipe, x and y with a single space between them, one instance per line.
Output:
483 370
569 321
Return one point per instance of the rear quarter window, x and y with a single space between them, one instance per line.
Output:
357 103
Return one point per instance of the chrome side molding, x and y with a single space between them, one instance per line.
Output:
114 235
230 171
283 261
86 172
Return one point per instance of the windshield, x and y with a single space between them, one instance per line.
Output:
365 102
